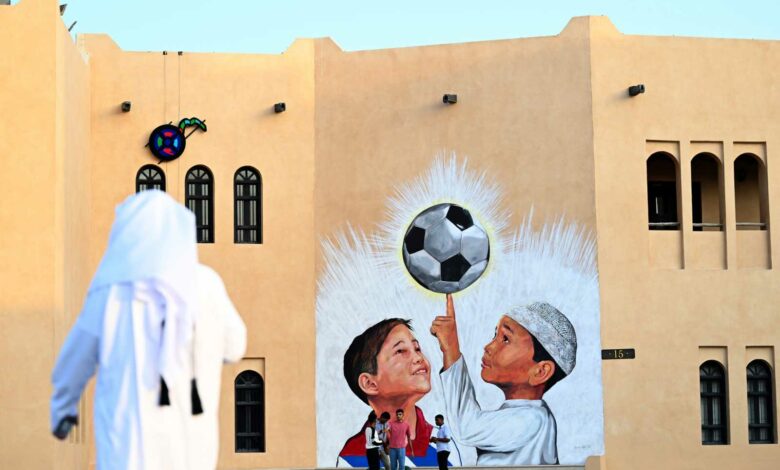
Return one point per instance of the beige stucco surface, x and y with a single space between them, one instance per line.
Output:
698 90
548 118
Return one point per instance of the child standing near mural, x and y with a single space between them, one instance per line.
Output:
533 348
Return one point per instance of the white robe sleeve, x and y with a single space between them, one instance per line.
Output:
78 359
502 430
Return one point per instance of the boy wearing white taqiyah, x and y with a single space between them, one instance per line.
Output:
534 347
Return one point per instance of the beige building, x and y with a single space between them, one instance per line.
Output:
675 182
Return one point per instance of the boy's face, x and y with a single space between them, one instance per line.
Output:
508 358
402 369
439 421
399 416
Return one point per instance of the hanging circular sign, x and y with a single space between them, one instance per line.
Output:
167 142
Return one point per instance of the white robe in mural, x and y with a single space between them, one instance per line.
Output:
520 432
143 310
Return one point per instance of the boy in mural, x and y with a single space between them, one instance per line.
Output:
533 348
385 367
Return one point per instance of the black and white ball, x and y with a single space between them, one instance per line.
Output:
444 249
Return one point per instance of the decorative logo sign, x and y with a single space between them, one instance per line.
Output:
167 142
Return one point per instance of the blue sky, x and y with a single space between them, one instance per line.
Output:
269 26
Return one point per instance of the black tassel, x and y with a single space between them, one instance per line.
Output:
165 400
197 406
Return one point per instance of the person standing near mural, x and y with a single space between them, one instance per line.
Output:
442 440
372 443
153 321
399 436
385 367
381 429
534 347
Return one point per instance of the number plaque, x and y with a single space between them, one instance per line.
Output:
618 353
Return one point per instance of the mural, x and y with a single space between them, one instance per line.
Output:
446 309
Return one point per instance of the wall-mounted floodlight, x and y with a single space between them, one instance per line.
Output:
280 108
126 106
62 8
634 90
449 98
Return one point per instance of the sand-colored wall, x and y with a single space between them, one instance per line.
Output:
42 146
698 90
271 284
72 218
549 118
523 116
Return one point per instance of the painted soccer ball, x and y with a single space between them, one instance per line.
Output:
445 250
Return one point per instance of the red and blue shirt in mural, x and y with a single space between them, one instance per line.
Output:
354 451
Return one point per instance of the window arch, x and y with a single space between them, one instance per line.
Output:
200 200
750 192
760 411
248 206
662 200
706 193
149 177
712 389
250 412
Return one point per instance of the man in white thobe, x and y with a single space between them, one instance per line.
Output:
534 347
143 309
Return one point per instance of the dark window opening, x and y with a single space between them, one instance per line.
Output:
696 209
250 412
200 200
706 193
662 192
149 177
248 206
712 388
761 429
750 193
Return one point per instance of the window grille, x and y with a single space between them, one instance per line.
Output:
149 177
760 413
250 412
712 387
200 200
248 207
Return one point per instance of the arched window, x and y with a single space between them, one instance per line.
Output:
712 388
760 411
250 412
248 206
149 177
750 192
662 192
200 200
706 193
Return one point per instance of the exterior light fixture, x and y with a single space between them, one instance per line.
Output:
449 98
280 108
63 7
126 106
634 90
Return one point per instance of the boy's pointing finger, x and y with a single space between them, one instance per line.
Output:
450 306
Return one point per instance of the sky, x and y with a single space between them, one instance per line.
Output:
270 26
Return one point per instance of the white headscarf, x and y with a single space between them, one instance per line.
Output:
153 246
